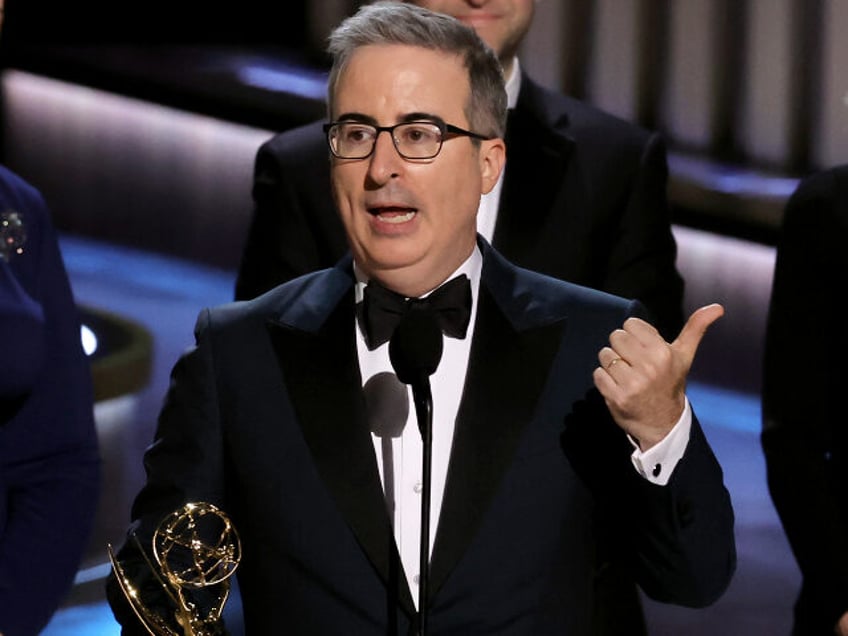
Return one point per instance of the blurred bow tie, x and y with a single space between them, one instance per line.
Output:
381 309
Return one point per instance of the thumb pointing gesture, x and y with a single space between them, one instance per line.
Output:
643 378
687 342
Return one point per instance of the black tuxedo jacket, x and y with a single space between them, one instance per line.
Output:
266 418
584 200
805 437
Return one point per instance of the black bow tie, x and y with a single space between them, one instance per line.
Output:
381 309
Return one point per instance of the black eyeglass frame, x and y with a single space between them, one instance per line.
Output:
444 128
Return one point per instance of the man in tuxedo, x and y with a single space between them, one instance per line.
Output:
559 419
583 197
804 433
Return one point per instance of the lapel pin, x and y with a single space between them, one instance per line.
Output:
12 234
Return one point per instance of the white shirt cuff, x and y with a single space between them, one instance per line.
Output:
658 462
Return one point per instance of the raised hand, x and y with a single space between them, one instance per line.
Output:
643 378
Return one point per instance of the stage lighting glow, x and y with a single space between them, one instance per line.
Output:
89 340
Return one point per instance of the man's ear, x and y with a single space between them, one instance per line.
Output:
492 161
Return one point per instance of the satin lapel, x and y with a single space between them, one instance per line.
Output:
506 374
322 377
537 159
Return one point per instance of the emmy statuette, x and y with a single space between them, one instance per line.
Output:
196 550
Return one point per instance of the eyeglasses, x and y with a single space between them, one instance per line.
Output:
412 140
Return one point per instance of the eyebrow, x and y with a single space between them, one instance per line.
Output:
357 117
422 117
409 117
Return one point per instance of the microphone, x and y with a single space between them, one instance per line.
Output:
386 407
415 351
415 348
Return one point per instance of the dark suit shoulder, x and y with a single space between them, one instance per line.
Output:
303 303
819 200
565 293
528 297
611 149
581 120
297 146
834 178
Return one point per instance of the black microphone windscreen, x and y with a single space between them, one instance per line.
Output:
386 404
416 346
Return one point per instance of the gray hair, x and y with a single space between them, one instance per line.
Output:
398 23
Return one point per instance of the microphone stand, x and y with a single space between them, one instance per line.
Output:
415 350
424 411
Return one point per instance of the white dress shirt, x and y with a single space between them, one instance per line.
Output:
406 451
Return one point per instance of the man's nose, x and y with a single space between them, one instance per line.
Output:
385 161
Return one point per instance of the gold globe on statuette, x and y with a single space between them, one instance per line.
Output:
196 550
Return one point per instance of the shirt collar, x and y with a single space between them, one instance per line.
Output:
513 84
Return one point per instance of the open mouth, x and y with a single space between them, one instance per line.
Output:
392 214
